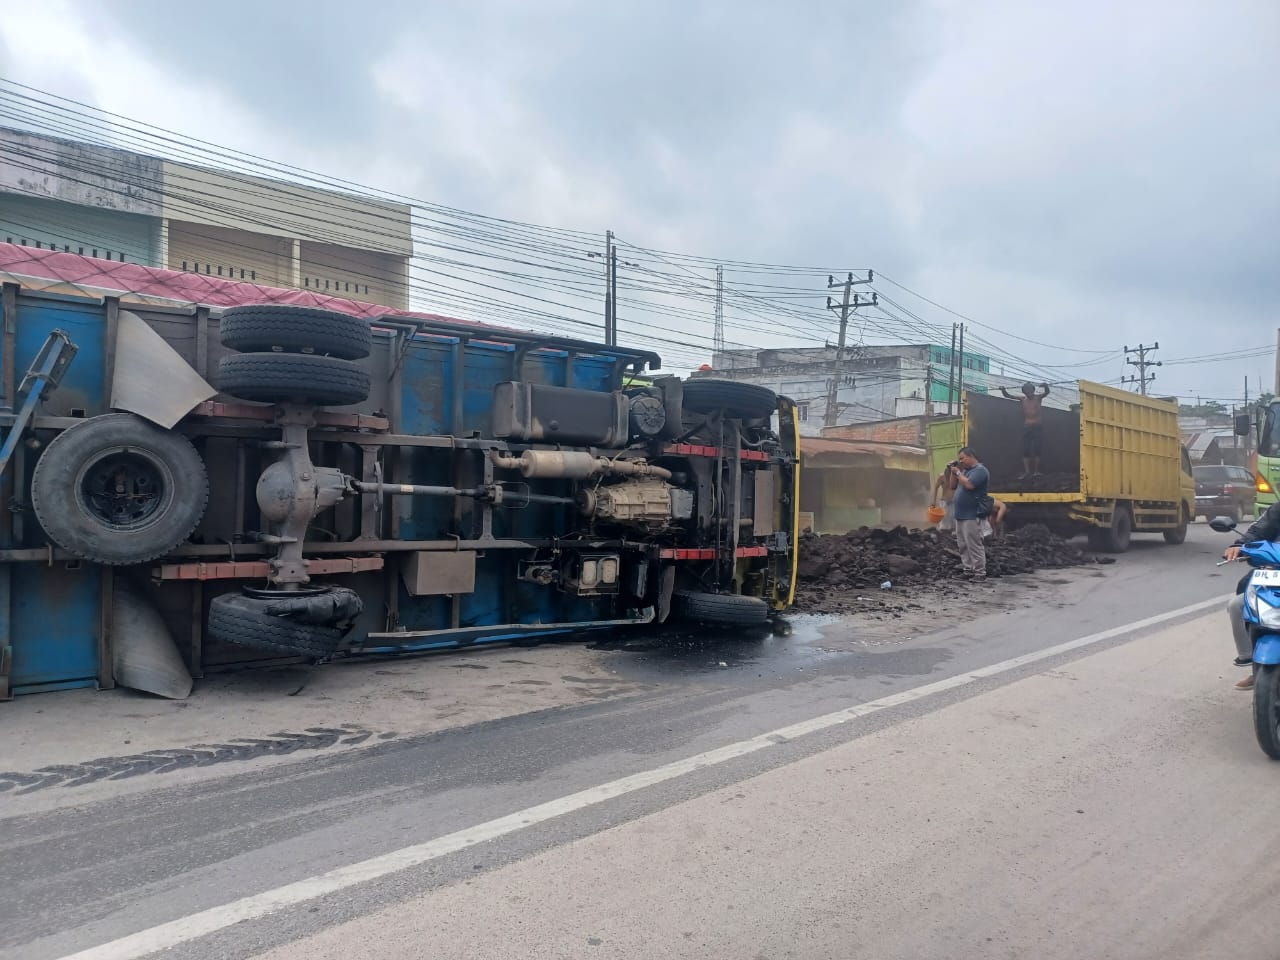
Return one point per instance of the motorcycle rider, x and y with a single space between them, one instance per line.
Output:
1266 527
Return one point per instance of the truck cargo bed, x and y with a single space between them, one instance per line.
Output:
1115 446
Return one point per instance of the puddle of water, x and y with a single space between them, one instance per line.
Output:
792 645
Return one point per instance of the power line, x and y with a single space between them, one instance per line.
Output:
533 257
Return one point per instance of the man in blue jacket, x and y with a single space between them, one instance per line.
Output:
971 506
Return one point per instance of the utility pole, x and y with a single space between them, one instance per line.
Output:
1247 436
1276 389
718 342
1235 437
612 339
960 375
610 289
848 301
1142 379
951 373
928 391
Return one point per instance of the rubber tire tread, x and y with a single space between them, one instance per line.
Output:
266 327
1118 537
719 608
293 377
746 400
1179 533
235 618
66 522
1266 692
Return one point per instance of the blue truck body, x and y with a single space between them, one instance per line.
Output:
429 420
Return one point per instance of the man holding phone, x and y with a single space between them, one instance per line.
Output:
971 506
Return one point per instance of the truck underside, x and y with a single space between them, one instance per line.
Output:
419 484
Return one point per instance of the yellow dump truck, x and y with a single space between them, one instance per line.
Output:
1112 465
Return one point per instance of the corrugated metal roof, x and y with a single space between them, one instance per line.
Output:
1198 443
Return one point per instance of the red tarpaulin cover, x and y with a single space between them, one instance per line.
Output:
133 278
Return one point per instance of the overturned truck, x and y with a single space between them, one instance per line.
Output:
193 484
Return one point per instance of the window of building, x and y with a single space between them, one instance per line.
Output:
802 410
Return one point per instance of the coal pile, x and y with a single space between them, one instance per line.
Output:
864 559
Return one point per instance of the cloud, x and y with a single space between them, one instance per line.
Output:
1081 175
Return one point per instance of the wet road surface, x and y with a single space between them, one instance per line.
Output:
152 861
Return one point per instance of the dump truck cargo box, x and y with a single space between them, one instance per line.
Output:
1114 445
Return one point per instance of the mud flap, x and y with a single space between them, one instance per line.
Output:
144 653
666 587
150 378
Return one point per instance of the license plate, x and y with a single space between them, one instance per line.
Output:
1266 578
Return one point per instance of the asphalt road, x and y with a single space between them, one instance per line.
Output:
1071 777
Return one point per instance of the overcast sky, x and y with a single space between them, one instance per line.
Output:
1086 175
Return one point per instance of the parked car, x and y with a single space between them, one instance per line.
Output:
1223 491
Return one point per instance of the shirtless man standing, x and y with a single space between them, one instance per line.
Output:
1032 425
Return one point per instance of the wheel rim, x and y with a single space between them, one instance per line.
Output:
124 488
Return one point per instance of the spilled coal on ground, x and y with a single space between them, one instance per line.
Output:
835 571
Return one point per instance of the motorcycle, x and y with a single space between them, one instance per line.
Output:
1262 617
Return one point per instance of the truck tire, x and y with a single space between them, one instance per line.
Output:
293 377
235 618
725 609
1179 533
746 400
1116 538
117 489
272 327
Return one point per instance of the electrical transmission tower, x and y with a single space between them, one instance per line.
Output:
717 346
1142 363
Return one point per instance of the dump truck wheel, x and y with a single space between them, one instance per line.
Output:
235 618
1116 539
746 400
1179 533
272 327
293 378
724 609
117 489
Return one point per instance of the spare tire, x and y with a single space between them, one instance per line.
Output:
236 618
273 327
117 489
745 400
293 378
723 609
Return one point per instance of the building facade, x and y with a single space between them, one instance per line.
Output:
872 383
119 205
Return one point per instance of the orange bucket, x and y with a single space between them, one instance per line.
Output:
935 515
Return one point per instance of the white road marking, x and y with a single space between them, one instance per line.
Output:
186 929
